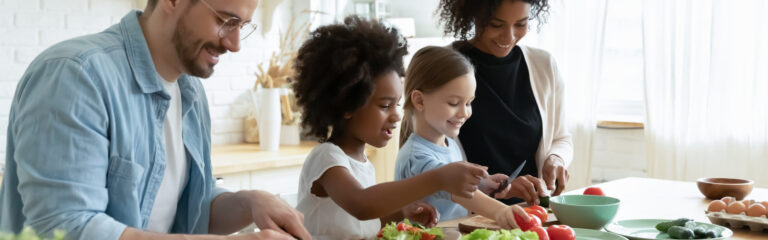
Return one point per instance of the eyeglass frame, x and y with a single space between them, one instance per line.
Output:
224 29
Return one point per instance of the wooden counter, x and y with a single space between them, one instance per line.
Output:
239 158
645 198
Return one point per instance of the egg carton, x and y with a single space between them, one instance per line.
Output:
738 220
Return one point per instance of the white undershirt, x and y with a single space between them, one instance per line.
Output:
176 168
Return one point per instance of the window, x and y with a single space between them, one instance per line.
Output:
621 88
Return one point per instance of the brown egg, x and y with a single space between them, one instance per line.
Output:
765 204
748 202
756 210
716 206
736 208
728 200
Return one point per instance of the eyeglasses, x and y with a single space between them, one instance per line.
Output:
231 23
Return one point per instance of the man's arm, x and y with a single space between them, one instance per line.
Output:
233 211
135 234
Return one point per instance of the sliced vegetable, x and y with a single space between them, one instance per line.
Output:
544 201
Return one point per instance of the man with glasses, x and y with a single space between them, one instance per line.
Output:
109 134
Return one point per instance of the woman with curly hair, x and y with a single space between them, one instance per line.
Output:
518 109
348 86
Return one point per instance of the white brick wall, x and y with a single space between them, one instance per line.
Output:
28 27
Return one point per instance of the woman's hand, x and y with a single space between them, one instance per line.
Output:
528 188
555 174
422 213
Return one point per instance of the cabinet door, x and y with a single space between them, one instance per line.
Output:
234 182
277 181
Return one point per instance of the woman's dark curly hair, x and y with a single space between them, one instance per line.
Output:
459 16
336 68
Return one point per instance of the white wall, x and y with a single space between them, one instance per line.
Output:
422 12
29 26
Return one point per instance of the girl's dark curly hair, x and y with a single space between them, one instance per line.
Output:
336 68
459 16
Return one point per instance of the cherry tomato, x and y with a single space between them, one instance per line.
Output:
561 232
534 221
594 191
402 227
543 235
427 236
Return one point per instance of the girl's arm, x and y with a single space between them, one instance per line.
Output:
419 212
383 199
493 209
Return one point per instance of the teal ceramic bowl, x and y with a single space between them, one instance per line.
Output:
584 211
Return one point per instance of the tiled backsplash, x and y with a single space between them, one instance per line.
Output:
30 26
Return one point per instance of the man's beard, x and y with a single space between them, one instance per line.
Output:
186 49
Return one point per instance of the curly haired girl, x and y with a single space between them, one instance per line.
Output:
348 86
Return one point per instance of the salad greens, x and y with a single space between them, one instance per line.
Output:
514 234
407 231
29 234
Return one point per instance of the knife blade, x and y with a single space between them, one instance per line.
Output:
509 179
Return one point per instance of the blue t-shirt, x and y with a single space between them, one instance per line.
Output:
419 155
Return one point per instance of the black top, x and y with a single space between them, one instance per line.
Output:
505 126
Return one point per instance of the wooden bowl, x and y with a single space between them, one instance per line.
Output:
717 188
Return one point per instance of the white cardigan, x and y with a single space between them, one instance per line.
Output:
548 89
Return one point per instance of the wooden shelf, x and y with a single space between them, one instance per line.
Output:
620 125
239 158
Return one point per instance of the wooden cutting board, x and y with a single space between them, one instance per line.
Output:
479 222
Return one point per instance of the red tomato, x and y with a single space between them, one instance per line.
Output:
594 191
402 227
561 232
380 232
427 236
537 207
542 215
533 222
543 235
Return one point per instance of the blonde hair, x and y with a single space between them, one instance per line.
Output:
430 68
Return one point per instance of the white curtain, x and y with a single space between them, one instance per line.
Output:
574 36
706 83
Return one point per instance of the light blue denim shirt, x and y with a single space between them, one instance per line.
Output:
85 149
419 155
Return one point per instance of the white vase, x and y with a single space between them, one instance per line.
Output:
270 120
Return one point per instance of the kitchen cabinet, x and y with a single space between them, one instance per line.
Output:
244 166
